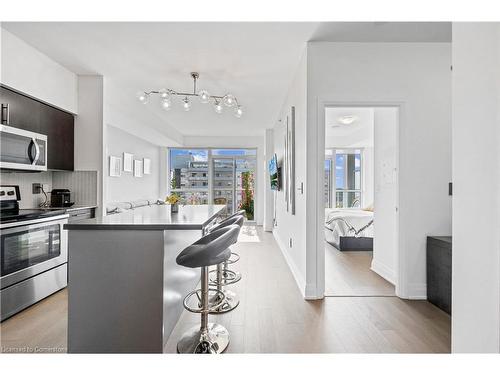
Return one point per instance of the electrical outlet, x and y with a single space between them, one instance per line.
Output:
37 188
290 243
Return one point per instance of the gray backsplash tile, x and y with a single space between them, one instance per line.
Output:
25 182
82 184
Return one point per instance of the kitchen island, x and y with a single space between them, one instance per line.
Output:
125 289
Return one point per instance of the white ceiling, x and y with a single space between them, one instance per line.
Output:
357 134
254 61
432 32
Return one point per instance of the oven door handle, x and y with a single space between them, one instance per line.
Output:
34 159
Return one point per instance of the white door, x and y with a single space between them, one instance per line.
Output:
385 242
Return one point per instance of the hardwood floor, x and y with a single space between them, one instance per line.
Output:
273 317
348 273
40 328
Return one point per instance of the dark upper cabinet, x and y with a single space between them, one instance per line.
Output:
24 112
57 125
59 128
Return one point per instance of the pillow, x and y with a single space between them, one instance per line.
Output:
111 209
139 203
124 205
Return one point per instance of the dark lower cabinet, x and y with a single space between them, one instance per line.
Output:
81 214
439 272
59 126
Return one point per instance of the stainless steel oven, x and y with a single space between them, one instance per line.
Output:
34 255
22 149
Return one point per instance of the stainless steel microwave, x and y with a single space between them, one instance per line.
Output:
22 149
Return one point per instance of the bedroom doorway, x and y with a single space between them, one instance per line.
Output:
361 200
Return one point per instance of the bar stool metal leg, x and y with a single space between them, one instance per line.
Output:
208 338
231 299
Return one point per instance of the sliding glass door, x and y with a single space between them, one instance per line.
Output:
223 182
215 176
245 185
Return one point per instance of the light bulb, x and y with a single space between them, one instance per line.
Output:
166 104
186 104
142 96
229 100
164 93
238 111
218 106
204 96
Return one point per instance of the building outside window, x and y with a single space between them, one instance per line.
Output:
215 176
344 183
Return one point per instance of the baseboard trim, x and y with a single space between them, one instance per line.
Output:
299 280
418 291
384 271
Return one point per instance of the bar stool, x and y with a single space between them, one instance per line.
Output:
212 249
234 256
223 276
238 213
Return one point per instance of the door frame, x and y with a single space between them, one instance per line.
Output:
318 253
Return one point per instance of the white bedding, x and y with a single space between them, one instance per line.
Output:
347 223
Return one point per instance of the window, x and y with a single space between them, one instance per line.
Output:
346 178
188 175
218 176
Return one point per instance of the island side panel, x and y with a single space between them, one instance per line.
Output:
178 280
115 291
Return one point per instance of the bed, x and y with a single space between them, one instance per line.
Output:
349 229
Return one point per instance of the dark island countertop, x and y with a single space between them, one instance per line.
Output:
155 217
75 207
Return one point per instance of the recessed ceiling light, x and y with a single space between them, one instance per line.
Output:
347 120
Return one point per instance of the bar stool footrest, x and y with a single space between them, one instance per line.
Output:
228 277
218 299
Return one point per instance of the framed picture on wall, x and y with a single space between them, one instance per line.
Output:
127 162
115 166
147 165
137 168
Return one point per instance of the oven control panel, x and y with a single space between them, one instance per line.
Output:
9 193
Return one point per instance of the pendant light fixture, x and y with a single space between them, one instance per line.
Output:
218 101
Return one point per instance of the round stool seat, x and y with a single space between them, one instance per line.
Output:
211 249
238 213
235 220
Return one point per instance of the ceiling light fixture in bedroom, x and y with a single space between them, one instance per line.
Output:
166 96
347 120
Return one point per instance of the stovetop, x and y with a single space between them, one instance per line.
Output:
8 216
9 207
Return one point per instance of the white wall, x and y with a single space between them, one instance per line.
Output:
416 75
476 186
128 188
239 142
27 70
293 226
124 111
368 169
90 132
385 197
